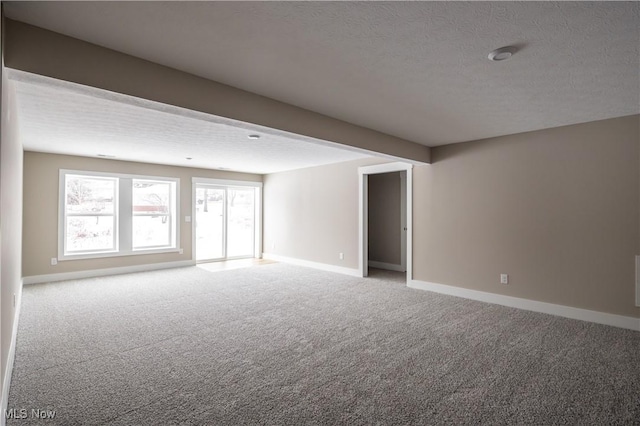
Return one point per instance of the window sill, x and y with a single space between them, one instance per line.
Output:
99 255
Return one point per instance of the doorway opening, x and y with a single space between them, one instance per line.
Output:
226 220
386 218
386 230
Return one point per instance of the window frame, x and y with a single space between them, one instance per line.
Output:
113 214
123 216
227 183
173 201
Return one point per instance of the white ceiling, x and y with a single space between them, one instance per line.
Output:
66 118
416 70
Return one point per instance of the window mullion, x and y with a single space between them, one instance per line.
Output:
125 215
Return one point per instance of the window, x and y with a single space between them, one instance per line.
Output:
152 206
90 218
105 214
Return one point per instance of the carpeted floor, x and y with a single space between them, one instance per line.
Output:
280 344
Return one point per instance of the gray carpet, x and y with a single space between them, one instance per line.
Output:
280 344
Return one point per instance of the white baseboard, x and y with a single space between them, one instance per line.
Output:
387 266
37 279
531 305
6 384
638 281
310 264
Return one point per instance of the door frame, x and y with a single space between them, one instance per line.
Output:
363 216
403 220
194 220
257 226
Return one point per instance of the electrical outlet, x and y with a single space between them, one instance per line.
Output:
181 251
341 256
187 219
54 261
504 279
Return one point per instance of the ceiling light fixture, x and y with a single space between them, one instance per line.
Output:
188 158
502 53
254 136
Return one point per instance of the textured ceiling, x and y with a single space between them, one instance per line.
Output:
416 70
65 118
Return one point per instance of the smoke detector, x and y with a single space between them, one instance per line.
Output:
502 53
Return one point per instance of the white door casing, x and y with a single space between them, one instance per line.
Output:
363 198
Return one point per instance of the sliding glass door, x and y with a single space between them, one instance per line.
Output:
225 219
210 223
240 222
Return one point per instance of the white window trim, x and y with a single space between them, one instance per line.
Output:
124 227
225 182
174 225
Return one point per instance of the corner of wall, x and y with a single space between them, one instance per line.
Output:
11 187
8 368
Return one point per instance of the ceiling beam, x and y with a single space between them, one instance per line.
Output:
39 51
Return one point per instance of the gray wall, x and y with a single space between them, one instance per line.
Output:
384 218
556 209
312 213
10 219
40 242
